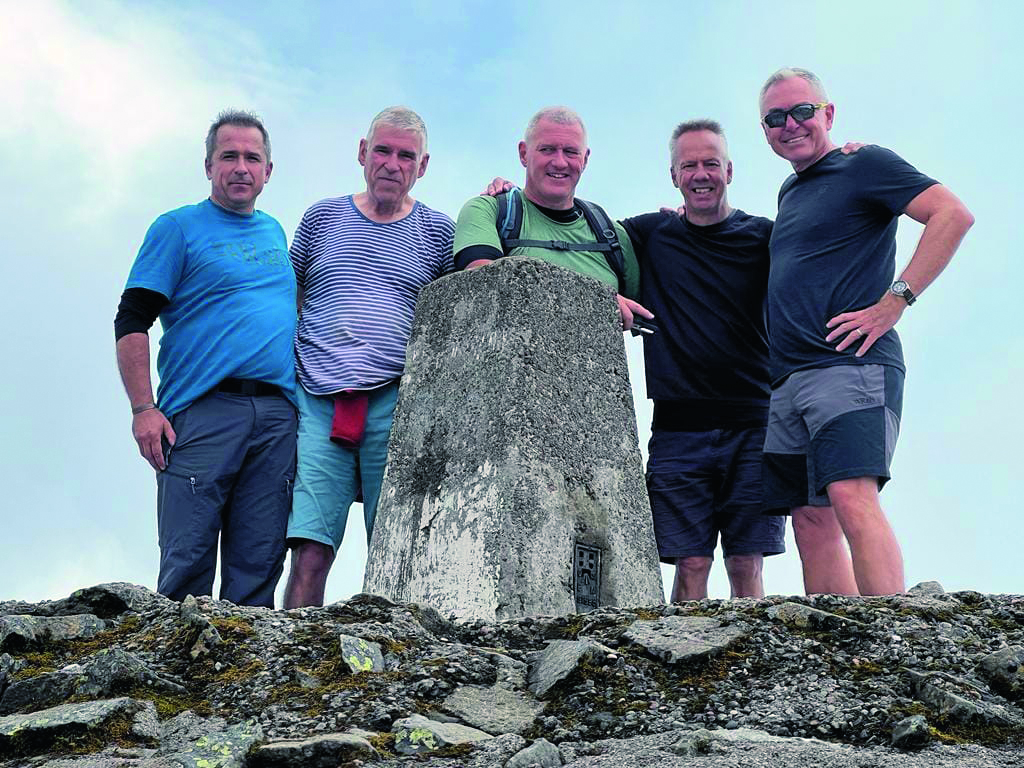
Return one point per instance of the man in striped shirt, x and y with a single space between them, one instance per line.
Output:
360 262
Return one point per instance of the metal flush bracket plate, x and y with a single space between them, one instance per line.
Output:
586 580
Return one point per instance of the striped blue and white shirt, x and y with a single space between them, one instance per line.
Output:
360 280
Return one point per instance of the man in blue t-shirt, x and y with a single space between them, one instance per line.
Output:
221 431
360 261
836 361
704 275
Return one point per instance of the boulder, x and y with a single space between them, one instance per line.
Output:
494 709
37 732
1004 671
560 660
325 751
541 753
418 734
911 733
361 655
103 674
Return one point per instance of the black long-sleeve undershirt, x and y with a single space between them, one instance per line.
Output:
138 310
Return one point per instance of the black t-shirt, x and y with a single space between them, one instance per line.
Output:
707 366
833 250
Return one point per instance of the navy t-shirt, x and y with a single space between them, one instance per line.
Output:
833 251
707 366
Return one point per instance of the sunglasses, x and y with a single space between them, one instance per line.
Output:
801 112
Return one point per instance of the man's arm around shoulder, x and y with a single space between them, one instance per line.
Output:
476 234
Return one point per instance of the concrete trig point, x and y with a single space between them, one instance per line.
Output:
514 484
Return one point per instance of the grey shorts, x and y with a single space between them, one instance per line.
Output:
829 424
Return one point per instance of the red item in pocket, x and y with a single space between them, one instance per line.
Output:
349 417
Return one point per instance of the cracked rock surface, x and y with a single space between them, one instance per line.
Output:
115 675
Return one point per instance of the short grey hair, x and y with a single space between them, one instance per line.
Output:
242 119
786 73
557 114
689 126
402 118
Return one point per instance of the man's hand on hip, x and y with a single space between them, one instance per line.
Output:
869 324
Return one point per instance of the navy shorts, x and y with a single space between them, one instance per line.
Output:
703 484
829 424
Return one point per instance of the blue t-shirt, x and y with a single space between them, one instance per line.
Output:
360 280
707 366
231 308
833 250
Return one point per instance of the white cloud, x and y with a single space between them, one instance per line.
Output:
103 101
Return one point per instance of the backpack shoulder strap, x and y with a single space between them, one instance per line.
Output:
603 227
510 218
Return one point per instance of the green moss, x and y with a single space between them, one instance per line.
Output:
60 653
233 627
335 677
949 732
860 669
987 735
75 650
393 646
78 741
383 743
573 627
647 614
452 750
169 705
237 673
36 663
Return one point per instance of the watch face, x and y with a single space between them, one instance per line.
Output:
899 287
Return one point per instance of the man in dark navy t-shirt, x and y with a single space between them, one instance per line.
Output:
704 275
836 361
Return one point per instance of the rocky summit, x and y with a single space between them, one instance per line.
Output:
117 676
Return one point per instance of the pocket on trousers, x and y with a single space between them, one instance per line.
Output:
185 481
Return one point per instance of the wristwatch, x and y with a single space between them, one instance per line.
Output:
901 289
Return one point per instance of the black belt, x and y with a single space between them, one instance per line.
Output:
248 387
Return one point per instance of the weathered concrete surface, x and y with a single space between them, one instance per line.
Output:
514 440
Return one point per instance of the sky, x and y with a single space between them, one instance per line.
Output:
106 104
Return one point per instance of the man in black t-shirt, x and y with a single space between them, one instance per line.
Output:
836 361
704 276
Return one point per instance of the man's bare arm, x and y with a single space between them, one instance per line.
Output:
946 221
149 425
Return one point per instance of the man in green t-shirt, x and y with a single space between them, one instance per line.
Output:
554 152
